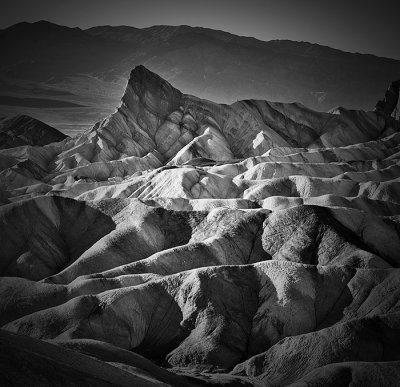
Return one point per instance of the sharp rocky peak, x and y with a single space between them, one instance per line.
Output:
151 90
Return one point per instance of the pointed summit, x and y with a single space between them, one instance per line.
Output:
130 131
153 92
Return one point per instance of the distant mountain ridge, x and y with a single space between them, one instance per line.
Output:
24 130
211 64
287 71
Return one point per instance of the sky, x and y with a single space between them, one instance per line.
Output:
350 25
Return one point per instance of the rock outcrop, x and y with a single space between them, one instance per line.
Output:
389 103
183 242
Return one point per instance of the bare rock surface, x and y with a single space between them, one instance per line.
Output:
184 242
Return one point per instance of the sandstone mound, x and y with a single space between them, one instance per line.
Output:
183 242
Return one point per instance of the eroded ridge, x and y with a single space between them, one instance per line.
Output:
182 242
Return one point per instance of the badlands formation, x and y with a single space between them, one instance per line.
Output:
183 242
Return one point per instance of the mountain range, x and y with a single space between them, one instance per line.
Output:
89 69
181 242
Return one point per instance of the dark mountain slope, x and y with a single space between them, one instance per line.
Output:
25 130
42 50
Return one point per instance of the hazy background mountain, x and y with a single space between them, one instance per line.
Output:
78 76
